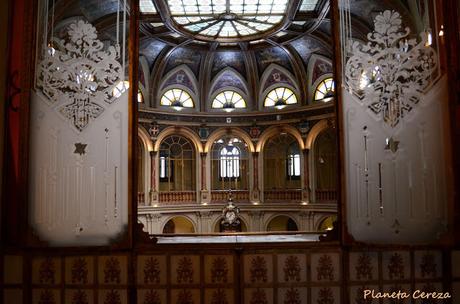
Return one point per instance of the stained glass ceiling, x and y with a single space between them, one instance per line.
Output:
227 18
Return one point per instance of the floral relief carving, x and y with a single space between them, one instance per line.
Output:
428 266
47 297
396 267
325 296
112 271
184 297
47 271
325 270
152 297
219 270
391 71
219 296
292 296
78 75
364 267
259 297
185 270
79 271
79 297
292 268
112 297
152 271
258 269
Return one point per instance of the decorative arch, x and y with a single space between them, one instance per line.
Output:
145 138
319 127
275 130
230 72
269 81
185 132
194 224
319 67
243 219
224 131
273 216
188 83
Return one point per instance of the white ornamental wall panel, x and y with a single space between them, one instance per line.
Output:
79 142
395 123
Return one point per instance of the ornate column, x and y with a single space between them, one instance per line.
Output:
306 179
153 193
204 195
255 193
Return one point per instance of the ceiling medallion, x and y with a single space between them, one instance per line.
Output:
79 75
391 71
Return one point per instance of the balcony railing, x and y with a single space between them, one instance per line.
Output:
288 195
175 197
222 195
325 195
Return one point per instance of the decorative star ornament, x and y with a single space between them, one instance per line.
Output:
80 149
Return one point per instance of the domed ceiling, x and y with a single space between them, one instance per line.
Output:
250 47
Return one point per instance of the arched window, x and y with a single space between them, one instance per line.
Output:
228 101
122 87
326 161
177 99
293 161
280 98
282 163
177 164
325 90
229 162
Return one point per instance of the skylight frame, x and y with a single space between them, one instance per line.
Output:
225 21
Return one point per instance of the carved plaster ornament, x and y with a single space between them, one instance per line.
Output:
78 76
390 72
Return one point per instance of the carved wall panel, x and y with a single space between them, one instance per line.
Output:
395 126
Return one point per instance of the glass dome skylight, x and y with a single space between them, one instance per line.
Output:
227 19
